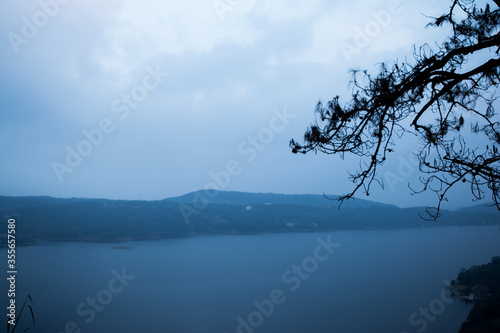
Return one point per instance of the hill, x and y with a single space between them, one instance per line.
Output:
244 198
482 285
101 220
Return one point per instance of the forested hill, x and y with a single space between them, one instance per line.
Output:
100 220
482 285
244 198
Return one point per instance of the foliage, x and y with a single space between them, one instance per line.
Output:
484 282
98 220
487 275
441 97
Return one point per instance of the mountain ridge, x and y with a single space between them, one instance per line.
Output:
103 220
249 198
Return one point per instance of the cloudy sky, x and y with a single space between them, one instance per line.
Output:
124 99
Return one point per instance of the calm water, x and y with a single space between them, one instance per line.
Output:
375 281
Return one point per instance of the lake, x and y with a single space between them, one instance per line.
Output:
343 281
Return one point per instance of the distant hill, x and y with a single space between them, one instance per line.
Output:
101 220
244 198
481 208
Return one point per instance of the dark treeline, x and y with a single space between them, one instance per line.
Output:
482 285
100 220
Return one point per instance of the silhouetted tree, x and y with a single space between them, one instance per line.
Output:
441 97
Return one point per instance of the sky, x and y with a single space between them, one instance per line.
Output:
151 99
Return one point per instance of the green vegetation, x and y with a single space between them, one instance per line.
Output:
481 284
99 220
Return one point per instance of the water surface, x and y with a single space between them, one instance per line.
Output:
374 282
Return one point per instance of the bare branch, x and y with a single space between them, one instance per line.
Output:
439 83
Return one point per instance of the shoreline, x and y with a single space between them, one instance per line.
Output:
117 241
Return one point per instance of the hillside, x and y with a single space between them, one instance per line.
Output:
482 285
244 198
101 220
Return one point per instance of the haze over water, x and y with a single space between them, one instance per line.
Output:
373 282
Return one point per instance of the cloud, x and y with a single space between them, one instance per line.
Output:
285 10
325 39
239 91
227 75
198 98
141 32
353 31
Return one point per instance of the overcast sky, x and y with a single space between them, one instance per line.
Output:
126 99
